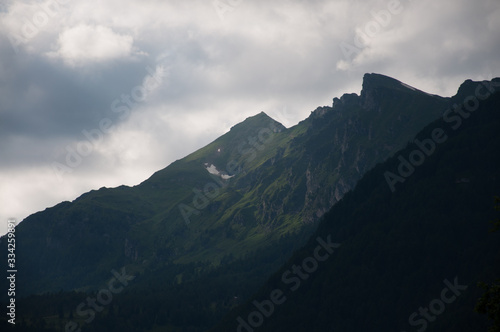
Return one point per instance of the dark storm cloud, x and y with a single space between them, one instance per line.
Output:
43 100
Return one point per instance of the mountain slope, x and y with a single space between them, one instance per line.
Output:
233 208
407 260
281 179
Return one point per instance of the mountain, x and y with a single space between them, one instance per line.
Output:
211 227
403 256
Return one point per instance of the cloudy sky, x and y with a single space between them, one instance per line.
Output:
104 93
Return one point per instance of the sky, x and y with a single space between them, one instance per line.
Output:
103 93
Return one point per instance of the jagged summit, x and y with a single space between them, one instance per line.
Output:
378 80
471 88
380 92
375 81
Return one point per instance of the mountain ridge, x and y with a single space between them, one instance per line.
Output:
185 222
290 197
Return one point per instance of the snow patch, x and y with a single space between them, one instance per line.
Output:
213 170
409 87
412 88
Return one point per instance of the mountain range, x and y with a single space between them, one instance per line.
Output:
199 238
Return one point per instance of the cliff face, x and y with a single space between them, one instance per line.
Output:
357 132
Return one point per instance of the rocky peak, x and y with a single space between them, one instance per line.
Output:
261 120
376 87
348 99
470 88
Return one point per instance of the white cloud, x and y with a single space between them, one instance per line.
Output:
85 43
